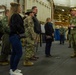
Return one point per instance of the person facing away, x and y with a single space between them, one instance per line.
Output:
42 28
49 32
16 25
43 31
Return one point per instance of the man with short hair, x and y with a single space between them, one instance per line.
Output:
73 30
37 28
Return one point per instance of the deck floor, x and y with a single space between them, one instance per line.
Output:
59 64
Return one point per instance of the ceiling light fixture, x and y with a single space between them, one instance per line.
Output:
62 9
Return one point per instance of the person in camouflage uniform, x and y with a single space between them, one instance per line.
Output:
62 35
30 38
5 50
73 30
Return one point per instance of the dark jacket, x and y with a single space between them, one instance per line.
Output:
37 26
49 29
69 30
16 24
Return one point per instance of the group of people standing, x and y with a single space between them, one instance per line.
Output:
71 32
16 28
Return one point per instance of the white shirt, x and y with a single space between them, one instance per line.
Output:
42 28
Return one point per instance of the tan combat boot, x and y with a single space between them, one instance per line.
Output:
3 62
28 63
74 55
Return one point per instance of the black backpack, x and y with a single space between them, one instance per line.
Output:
37 27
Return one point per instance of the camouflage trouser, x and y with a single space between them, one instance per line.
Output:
30 46
74 42
73 34
70 39
29 52
5 50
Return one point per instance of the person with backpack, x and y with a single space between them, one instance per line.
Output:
5 49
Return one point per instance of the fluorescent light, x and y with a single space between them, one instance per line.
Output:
63 10
67 3
72 6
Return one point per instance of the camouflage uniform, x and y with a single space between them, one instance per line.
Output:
30 38
62 35
73 33
5 40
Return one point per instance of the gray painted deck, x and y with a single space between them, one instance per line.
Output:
59 64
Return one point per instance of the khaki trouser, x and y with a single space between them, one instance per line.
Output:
29 52
70 39
74 41
73 34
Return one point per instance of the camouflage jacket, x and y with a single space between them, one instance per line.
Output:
29 30
73 22
62 31
5 24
